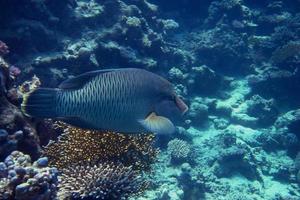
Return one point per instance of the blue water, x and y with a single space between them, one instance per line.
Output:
235 63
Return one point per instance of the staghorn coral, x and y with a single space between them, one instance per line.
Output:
103 181
77 146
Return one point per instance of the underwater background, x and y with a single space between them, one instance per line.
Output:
234 62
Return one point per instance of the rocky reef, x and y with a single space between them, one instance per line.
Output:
235 63
22 179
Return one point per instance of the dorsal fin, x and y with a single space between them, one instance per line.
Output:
79 81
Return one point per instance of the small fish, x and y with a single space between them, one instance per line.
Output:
126 100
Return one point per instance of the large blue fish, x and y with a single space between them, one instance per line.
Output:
126 100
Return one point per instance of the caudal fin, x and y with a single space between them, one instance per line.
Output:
40 103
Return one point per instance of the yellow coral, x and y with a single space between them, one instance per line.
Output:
77 146
29 86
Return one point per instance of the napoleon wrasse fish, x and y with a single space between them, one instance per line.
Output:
126 100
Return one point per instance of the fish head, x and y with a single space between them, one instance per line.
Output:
172 107
168 100
166 108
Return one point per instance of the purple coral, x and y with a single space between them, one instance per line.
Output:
14 71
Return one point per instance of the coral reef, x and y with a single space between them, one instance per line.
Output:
17 132
105 181
198 112
203 80
78 146
109 33
100 165
24 180
289 50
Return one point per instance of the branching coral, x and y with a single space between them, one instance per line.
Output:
179 150
104 181
77 146
100 165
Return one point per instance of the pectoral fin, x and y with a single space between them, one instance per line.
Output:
158 124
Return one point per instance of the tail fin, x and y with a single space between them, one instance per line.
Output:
40 103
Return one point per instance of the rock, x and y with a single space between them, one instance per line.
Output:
3 135
289 120
220 123
198 113
264 110
22 189
277 84
20 171
244 119
186 167
203 80
237 159
42 162
19 135
176 74
3 170
278 139
27 181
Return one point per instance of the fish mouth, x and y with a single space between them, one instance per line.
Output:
181 105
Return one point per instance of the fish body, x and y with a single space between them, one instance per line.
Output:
123 100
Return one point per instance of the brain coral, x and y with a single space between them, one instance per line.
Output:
179 149
104 181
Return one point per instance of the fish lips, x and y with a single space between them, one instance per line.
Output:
181 105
